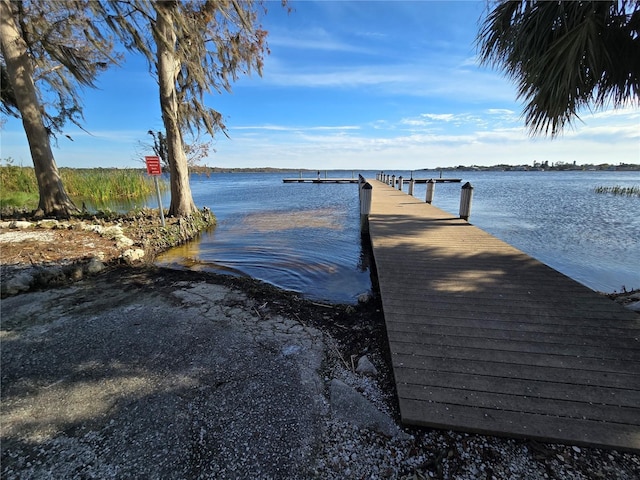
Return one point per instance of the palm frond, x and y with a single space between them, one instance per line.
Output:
565 56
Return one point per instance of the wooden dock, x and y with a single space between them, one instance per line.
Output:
486 339
355 180
436 180
320 180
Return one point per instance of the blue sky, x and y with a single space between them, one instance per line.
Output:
354 85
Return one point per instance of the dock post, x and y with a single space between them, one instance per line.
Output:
393 181
400 182
431 185
412 183
365 198
465 201
365 206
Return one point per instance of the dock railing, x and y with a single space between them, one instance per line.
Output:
466 193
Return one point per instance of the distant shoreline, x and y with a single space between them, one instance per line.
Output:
565 167
624 167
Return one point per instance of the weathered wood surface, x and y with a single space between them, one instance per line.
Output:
320 180
436 180
426 180
355 180
486 339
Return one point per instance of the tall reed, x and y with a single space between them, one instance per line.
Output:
97 186
101 186
618 190
17 179
18 186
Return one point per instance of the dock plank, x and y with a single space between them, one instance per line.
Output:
595 396
484 338
450 393
549 427
497 368
320 180
535 344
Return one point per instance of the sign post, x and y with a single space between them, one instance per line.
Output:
155 170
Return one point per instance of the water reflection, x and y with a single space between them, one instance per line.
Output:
323 218
313 251
306 237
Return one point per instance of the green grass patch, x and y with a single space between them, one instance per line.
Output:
96 186
17 179
103 187
618 190
19 200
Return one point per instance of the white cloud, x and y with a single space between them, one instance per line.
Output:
352 77
282 128
470 62
314 39
442 117
416 151
628 112
500 111
372 147
424 78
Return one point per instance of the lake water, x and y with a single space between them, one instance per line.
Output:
306 237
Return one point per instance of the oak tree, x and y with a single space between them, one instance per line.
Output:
49 50
193 47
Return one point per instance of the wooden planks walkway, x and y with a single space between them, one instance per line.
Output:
355 180
486 339
320 180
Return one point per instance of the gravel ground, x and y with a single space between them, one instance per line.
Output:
152 373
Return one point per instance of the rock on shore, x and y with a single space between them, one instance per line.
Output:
49 253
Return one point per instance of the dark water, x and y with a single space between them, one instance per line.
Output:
301 237
306 237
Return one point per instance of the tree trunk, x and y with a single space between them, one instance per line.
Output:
54 200
168 68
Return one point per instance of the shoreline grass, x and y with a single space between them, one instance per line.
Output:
97 186
618 190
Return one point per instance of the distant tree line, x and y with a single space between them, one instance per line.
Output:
546 166
563 55
51 48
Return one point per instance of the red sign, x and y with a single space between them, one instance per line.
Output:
153 165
